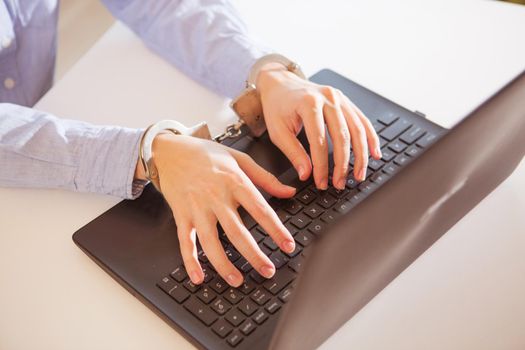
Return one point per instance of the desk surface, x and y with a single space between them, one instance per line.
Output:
465 292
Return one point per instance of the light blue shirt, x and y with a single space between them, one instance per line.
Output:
203 38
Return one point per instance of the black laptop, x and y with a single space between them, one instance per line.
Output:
350 243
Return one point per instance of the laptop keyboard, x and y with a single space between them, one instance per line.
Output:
233 314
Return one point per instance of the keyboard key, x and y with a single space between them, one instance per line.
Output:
306 197
218 285
166 284
247 327
208 273
397 146
378 126
247 286
343 207
293 230
232 254
235 317
260 316
278 259
202 256
390 168
382 142
283 215
313 211
179 274
257 277
257 235
265 249
413 151
296 264
388 119
273 306
411 135
351 182
206 295
300 221
293 206
179 294
233 296
395 129
222 328
379 177
326 200
388 154
337 193
316 227
375 164
201 311
243 265
367 187
356 197
260 296
329 216
426 140
268 241
221 306
279 281
304 238
285 295
247 306
234 338
189 285
401 159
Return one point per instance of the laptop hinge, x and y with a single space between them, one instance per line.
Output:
421 114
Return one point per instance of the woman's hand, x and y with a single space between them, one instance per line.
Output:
205 182
290 102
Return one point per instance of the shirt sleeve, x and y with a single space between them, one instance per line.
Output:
206 39
40 150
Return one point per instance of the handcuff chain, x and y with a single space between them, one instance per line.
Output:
232 131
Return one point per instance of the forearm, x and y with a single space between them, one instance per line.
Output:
205 39
40 150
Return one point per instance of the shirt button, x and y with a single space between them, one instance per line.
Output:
9 83
6 42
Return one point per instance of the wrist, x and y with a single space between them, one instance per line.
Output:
269 74
158 143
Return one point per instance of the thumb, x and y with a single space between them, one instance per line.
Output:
262 177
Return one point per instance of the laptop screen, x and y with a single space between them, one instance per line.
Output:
377 240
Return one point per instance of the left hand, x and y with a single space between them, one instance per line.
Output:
290 102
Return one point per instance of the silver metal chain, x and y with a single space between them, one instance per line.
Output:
232 131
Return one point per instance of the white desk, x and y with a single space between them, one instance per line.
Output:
466 292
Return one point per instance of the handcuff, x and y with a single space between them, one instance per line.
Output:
247 106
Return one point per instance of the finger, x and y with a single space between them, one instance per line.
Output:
338 130
243 241
262 177
358 139
371 136
288 143
188 248
251 199
311 113
205 223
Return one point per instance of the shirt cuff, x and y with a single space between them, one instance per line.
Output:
108 160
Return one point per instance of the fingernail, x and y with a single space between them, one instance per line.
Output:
195 277
232 279
361 174
289 246
267 271
323 184
341 183
300 170
378 152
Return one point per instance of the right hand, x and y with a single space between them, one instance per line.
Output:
204 183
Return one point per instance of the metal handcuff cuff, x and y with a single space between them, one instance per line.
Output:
247 106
